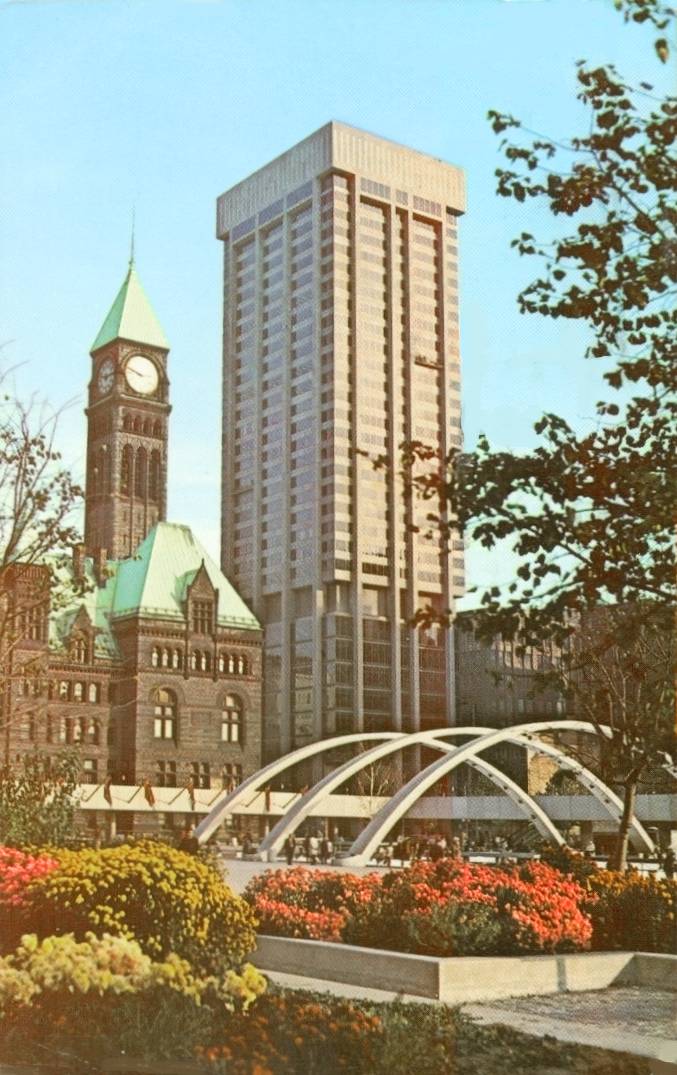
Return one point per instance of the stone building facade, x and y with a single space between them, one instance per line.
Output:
138 652
496 686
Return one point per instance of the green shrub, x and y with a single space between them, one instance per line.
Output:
459 928
454 929
168 901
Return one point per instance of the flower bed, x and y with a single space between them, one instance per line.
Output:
443 908
146 962
166 900
629 911
101 1003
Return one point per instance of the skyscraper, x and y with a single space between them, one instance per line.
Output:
340 343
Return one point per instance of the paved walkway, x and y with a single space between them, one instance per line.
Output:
238 872
640 1021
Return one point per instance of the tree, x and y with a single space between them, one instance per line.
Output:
619 674
590 516
379 780
36 800
38 498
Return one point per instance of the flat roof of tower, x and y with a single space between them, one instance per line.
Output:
340 146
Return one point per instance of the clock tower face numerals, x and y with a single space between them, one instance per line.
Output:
141 375
106 377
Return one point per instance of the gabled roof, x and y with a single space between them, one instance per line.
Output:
154 582
131 317
95 601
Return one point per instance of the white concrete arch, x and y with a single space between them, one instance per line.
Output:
605 795
377 829
303 807
229 801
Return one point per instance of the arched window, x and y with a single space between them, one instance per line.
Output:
195 660
63 689
165 710
92 732
126 470
241 665
126 423
154 477
78 730
147 427
102 469
93 692
206 661
78 692
137 424
63 730
157 429
140 475
231 663
155 657
222 663
231 720
165 658
176 658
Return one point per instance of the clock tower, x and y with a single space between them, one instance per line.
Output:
127 415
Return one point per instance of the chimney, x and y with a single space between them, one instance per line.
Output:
79 562
100 559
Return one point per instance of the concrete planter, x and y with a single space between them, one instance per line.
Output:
457 980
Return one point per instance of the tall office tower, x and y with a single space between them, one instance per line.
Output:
340 343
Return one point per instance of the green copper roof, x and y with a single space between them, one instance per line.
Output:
131 317
97 603
154 582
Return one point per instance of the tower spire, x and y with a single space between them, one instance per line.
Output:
131 244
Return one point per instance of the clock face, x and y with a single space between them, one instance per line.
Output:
141 374
104 381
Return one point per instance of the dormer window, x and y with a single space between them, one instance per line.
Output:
203 617
79 650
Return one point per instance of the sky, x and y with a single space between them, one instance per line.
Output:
158 106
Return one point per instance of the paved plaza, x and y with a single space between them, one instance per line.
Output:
238 872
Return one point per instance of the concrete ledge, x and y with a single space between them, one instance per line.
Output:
651 970
465 978
395 971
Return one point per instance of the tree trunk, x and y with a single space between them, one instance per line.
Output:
619 856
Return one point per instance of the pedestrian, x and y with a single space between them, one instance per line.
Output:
189 841
247 845
290 849
326 850
313 850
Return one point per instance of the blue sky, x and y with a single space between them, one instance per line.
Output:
163 104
